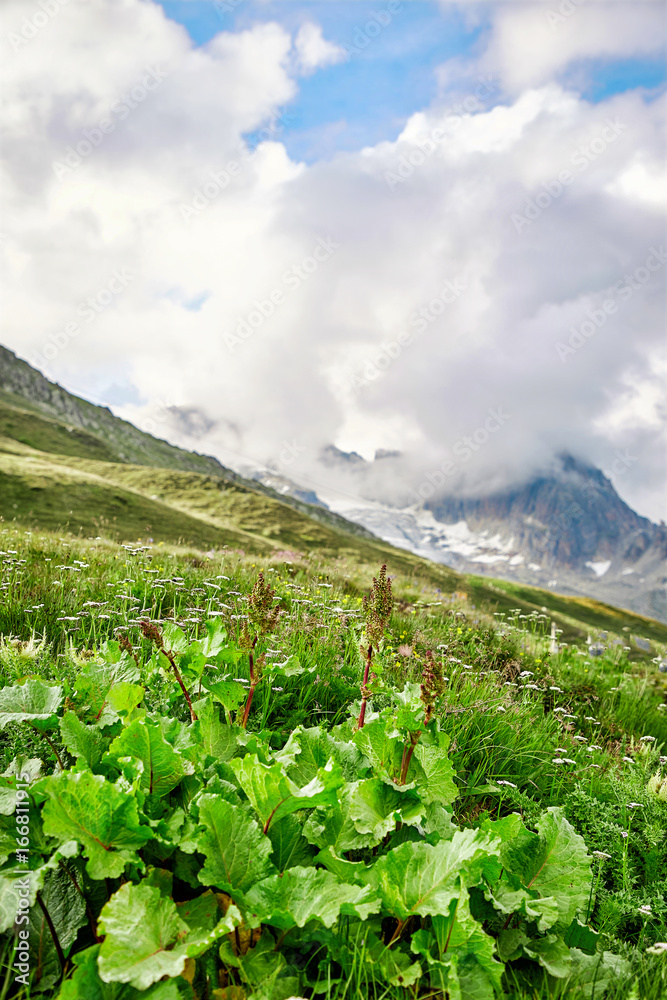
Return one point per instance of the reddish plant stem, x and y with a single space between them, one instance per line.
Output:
268 822
362 713
91 918
400 926
407 755
58 758
170 657
246 711
56 941
451 926
253 685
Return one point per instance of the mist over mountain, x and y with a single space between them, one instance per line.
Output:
564 528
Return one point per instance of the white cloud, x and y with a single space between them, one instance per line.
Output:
531 43
313 51
198 274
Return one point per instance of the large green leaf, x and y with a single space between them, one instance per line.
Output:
95 684
408 713
82 741
121 701
34 702
346 871
583 937
67 911
148 938
383 752
333 827
273 795
303 894
593 974
307 750
290 847
236 850
163 766
376 807
432 769
553 862
216 739
424 879
230 694
86 808
552 953
86 984
509 896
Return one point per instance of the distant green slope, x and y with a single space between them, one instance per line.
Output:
46 434
43 415
21 384
128 503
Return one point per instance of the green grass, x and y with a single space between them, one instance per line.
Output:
528 728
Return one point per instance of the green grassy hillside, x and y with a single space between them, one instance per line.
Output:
88 497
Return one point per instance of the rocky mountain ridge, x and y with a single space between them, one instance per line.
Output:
566 529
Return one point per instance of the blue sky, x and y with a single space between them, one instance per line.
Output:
369 97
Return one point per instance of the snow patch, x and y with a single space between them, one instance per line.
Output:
418 531
599 568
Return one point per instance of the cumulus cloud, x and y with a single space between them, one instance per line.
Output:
392 298
532 43
313 51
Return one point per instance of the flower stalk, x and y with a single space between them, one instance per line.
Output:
153 633
377 607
